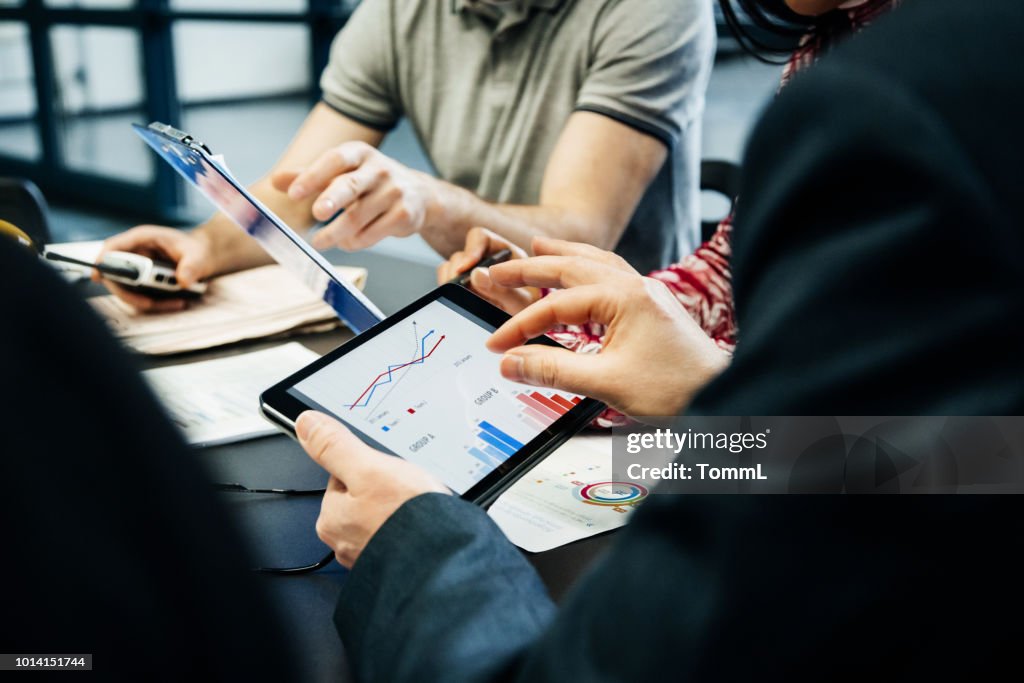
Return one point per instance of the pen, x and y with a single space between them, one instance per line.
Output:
493 260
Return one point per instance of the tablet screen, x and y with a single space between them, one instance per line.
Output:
429 391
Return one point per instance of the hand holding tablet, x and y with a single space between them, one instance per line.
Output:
366 486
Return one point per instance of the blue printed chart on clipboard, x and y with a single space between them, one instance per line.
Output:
198 166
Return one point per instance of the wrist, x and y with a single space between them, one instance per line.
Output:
444 204
207 235
704 371
434 210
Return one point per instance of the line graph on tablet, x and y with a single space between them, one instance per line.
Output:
427 389
395 369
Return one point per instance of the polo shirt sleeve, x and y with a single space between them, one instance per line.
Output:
359 81
650 61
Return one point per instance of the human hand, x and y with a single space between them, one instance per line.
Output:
380 196
481 243
366 486
190 251
654 359
549 246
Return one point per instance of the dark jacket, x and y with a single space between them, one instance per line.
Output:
113 542
878 262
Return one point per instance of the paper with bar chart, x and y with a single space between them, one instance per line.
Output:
429 391
569 496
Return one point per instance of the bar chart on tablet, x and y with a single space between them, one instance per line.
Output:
542 409
428 390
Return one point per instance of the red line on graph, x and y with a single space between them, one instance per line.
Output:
388 372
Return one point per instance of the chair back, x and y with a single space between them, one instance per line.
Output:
722 177
23 208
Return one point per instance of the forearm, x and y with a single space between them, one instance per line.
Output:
233 248
455 211
593 183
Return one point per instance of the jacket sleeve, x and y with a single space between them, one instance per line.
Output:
439 594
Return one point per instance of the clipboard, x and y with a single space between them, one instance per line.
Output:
194 161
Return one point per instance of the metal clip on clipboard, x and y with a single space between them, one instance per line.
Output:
178 135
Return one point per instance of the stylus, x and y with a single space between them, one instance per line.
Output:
130 273
493 260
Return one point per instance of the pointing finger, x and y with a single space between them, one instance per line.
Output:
591 303
549 246
552 367
552 271
342 159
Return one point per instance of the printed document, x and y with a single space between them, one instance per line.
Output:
217 401
567 497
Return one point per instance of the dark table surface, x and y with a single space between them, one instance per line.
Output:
281 530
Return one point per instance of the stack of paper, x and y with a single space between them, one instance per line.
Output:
216 401
247 305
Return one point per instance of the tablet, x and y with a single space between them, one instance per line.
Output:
195 163
421 385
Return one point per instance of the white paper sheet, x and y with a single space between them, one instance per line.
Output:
216 401
569 496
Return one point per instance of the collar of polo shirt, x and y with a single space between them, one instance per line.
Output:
506 12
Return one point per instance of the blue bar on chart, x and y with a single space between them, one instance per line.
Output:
483 457
494 452
494 431
497 443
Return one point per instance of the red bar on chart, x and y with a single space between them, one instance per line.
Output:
538 406
545 420
576 399
549 403
562 401
535 419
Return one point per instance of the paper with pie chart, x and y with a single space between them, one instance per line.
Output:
427 390
568 496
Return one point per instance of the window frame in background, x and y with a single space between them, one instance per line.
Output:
153 21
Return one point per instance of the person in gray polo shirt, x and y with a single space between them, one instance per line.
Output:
577 119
